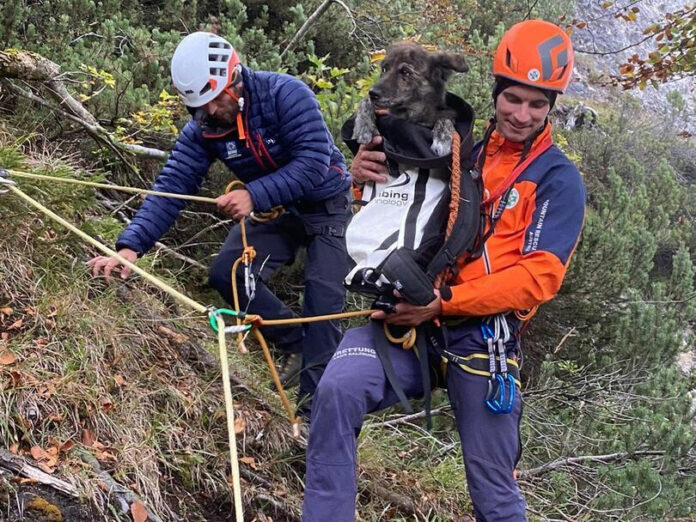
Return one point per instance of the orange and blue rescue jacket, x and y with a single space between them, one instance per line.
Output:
526 257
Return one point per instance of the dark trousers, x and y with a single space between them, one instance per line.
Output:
355 384
320 228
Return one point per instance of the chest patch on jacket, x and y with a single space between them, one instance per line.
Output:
513 199
231 149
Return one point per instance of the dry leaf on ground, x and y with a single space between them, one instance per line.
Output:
138 511
7 358
249 461
88 437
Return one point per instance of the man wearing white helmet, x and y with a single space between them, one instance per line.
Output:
268 129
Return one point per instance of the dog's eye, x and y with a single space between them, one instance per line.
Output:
405 70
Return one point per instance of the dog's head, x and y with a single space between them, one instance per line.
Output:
412 82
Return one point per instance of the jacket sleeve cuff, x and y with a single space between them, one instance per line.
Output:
445 293
448 305
121 244
256 191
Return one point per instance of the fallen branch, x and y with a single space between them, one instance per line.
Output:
18 464
408 418
574 461
29 66
279 506
26 65
318 12
404 504
124 496
161 246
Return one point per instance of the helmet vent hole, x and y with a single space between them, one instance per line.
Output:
508 57
562 73
219 45
205 89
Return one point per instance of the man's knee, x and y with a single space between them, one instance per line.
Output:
334 390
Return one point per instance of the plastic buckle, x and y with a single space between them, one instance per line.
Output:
5 180
386 303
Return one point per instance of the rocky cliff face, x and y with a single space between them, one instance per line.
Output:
604 33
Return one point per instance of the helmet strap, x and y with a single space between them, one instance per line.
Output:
240 101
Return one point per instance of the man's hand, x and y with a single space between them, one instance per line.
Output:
411 315
370 164
236 203
109 263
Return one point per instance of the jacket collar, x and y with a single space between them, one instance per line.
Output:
498 143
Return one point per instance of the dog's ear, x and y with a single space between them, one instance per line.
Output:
448 63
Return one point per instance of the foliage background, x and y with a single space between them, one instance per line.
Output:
608 429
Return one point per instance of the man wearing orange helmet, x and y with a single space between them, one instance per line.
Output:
533 206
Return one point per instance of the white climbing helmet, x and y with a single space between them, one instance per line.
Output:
203 65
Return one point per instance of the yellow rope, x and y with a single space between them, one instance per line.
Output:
235 296
248 254
407 341
193 304
294 420
229 410
259 217
260 321
159 284
21 174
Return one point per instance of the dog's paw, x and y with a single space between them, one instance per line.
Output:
365 122
442 137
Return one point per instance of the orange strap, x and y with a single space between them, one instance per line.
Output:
538 151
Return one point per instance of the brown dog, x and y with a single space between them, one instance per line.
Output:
412 86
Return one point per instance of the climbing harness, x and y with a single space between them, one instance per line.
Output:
500 397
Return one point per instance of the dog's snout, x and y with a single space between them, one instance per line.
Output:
375 94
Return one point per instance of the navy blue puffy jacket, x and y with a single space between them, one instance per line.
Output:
293 157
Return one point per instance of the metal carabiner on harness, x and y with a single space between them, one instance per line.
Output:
5 180
500 397
249 278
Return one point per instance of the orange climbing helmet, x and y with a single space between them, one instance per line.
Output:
535 53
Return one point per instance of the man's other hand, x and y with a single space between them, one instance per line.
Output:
411 315
370 163
108 264
236 203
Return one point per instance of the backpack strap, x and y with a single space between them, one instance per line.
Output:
382 347
466 228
